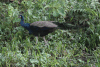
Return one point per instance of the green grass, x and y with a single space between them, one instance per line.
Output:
73 46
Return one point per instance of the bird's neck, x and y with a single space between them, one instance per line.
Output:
22 19
22 22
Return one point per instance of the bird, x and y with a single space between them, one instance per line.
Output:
39 28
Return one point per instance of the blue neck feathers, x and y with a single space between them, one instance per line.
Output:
25 25
22 20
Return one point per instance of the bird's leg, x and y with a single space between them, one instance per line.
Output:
36 39
45 40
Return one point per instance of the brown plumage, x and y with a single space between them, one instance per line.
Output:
44 24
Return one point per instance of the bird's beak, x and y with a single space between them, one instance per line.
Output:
19 16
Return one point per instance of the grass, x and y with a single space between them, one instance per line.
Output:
67 47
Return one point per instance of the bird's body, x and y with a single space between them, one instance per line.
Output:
42 28
39 28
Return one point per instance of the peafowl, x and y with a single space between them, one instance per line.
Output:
39 28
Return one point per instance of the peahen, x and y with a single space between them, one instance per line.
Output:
39 28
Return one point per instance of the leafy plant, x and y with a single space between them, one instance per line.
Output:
67 47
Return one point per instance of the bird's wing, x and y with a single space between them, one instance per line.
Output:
43 24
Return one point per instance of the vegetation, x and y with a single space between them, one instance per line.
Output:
75 44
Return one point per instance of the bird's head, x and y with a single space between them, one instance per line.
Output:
22 18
